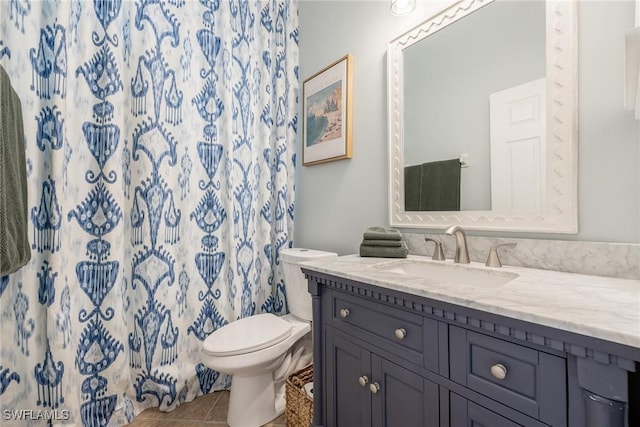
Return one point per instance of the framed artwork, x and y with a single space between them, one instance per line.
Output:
326 105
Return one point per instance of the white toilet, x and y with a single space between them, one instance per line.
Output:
252 348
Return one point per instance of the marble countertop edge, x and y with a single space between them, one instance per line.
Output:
601 307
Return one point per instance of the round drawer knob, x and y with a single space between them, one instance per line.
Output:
374 388
344 313
499 371
401 333
363 380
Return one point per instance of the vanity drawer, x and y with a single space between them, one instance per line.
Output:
402 333
520 377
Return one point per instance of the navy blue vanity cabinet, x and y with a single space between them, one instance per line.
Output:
364 387
402 334
348 373
530 381
465 413
387 358
403 397
368 390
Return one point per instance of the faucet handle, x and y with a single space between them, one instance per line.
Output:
493 260
438 253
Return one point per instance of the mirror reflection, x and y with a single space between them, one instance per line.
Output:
474 112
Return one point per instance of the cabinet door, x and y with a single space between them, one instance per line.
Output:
347 402
402 398
527 380
465 413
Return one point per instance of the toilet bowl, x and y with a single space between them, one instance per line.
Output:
252 348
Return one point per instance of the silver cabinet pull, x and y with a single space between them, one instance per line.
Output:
499 371
344 313
401 333
363 380
374 388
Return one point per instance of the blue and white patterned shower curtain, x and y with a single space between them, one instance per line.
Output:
160 139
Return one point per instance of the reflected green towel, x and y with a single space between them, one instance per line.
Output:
14 240
390 243
412 187
440 188
382 233
384 251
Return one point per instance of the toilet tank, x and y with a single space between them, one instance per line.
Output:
298 296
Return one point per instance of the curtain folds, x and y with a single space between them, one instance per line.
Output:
160 141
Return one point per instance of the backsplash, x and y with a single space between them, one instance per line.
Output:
600 259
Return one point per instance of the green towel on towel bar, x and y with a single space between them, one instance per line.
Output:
389 243
384 251
382 233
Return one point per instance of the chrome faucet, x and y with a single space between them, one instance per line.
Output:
462 253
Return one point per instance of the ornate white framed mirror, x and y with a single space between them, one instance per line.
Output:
508 181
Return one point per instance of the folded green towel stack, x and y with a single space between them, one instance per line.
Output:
384 251
386 243
382 233
383 242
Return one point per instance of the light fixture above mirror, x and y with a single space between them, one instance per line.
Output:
402 7
558 211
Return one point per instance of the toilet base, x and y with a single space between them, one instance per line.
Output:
252 401
255 397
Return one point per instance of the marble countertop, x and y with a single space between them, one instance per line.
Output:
601 307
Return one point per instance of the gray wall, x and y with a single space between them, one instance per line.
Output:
336 201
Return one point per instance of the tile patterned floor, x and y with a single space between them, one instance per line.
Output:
208 410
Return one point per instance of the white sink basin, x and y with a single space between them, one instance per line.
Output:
446 272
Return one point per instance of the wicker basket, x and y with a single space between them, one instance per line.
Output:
299 408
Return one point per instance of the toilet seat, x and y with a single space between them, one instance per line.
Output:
247 335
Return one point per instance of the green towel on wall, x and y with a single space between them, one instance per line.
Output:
384 251
382 233
14 240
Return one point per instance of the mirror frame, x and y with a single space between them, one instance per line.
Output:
560 214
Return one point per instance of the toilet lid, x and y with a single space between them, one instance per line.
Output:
247 335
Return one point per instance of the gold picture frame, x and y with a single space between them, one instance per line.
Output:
326 109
